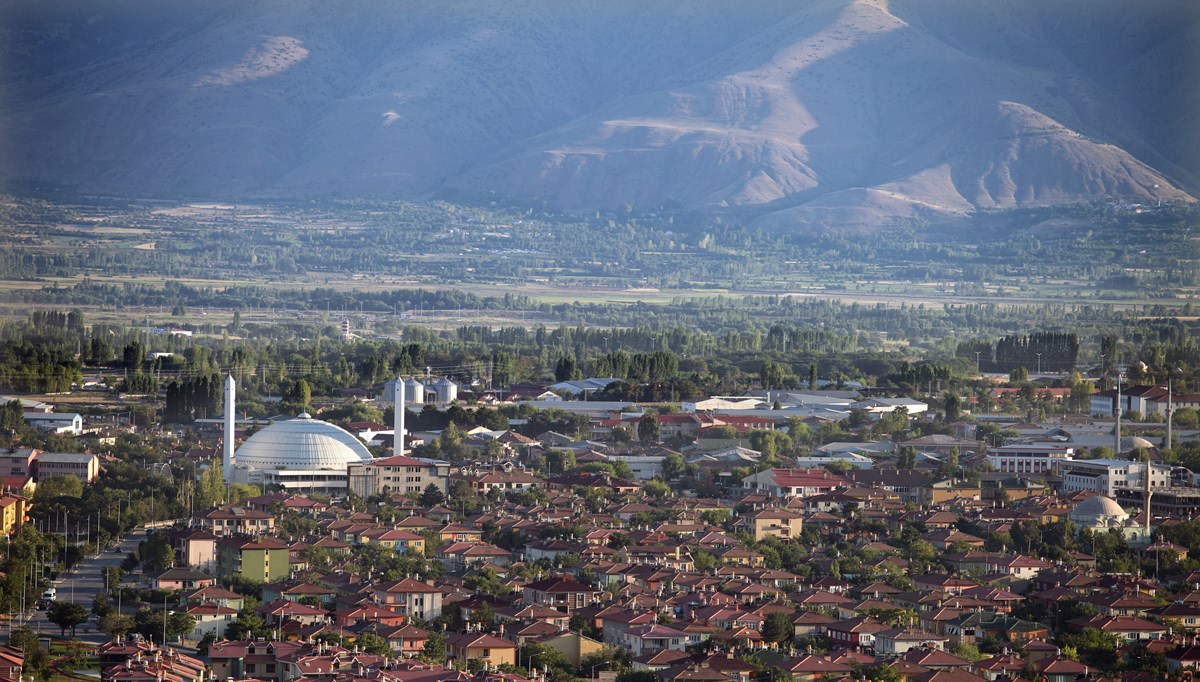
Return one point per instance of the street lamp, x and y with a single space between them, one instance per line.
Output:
532 656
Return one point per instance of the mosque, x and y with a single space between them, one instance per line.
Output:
297 455
1100 514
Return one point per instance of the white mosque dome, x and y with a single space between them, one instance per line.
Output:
302 443
1099 512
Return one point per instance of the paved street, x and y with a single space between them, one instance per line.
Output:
82 584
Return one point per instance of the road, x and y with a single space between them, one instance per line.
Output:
83 583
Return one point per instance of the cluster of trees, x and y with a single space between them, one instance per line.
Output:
1051 351
640 367
193 398
38 368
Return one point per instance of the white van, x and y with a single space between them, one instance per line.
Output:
50 594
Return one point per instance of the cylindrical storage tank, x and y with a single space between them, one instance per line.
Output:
388 394
414 392
447 391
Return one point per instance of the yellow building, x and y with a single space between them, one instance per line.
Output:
572 645
949 491
13 512
779 523
262 560
396 539
482 646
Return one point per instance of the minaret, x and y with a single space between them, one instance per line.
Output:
1167 444
398 421
230 408
1149 492
1117 430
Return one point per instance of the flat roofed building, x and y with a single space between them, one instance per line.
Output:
55 422
84 466
1031 458
17 461
1107 476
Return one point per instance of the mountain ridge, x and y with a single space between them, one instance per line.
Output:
798 115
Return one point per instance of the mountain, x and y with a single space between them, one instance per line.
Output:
796 113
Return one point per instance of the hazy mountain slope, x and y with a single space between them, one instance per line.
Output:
825 111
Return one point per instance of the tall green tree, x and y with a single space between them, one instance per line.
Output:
673 466
953 407
67 615
648 429
432 496
567 369
298 392
778 627
558 461
772 374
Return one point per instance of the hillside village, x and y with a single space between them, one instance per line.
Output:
995 549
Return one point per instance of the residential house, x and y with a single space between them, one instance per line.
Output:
14 511
411 598
777 523
195 549
227 520
483 647
899 641
1127 628
811 667
262 559
250 658
12 660
854 633
397 474
397 540
562 593
795 482
178 579
572 645
459 556
644 639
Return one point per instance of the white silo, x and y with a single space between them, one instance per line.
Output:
388 394
447 391
414 391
